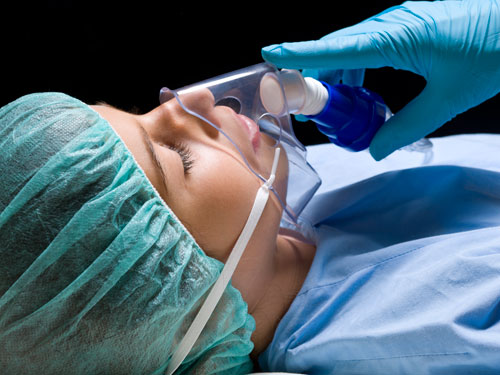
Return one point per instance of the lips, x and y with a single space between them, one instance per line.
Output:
252 129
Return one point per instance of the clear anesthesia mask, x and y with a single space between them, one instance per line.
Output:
241 91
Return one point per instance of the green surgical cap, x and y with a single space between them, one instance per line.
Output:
97 275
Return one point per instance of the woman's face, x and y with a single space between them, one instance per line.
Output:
199 173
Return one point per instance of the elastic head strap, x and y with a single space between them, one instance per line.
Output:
220 285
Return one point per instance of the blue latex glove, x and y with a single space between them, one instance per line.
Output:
454 45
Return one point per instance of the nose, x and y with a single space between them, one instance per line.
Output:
200 102
183 116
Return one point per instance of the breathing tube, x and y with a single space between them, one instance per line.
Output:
348 116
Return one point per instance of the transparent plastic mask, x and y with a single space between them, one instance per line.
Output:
240 92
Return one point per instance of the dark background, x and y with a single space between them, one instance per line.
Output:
123 53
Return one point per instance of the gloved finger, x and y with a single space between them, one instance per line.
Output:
313 73
353 77
345 52
301 118
328 75
421 116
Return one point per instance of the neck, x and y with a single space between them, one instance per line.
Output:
275 283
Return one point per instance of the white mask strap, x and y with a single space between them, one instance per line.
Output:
220 285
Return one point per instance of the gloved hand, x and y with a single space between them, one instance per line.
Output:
454 45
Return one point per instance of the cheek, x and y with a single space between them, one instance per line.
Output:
221 199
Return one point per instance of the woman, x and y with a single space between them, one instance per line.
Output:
98 274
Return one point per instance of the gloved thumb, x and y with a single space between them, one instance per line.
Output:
424 114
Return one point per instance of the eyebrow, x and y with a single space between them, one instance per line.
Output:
145 137
153 155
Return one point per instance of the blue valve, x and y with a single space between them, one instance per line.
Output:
351 116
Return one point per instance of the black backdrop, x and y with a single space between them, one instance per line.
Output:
123 53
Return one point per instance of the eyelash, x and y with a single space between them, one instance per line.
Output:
185 154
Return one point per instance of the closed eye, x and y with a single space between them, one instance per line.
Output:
185 154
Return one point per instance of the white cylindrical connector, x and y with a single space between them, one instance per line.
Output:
305 96
316 97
